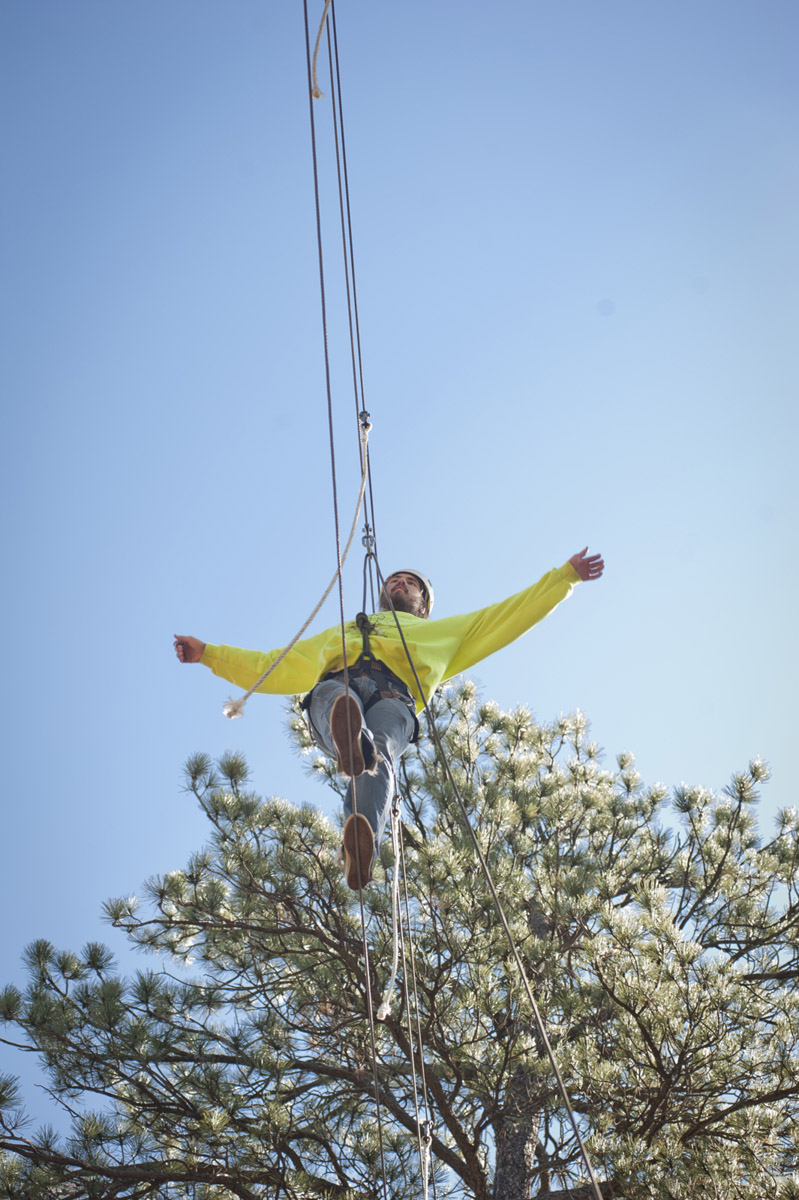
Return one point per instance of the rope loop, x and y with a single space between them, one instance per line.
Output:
316 91
235 708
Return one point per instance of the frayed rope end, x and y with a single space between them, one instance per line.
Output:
233 709
384 1011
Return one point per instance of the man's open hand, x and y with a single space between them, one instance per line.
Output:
587 566
188 649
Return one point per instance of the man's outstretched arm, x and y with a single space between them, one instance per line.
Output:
588 566
188 649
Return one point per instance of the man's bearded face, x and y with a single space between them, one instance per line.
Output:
405 593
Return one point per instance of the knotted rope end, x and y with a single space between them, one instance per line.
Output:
317 92
384 1011
233 709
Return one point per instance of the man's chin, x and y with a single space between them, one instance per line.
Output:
404 603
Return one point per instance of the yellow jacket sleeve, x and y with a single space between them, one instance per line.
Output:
439 649
489 629
302 667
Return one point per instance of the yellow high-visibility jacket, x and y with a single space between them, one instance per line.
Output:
440 649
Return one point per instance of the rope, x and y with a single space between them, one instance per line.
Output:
346 224
316 91
351 283
539 1023
313 92
385 1007
368 575
427 1144
424 1128
235 708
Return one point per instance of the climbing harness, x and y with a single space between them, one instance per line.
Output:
366 628
389 687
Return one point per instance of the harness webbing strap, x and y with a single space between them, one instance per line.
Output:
362 621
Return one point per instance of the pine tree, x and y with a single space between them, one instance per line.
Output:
660 937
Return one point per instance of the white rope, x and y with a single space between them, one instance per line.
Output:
424 1128
235 708
427 1145
539 1021
316 91
424 1132
385 1006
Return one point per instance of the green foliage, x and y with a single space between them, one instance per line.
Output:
664 961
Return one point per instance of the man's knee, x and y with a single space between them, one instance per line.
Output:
325 691
391 723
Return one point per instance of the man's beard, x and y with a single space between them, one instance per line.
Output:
403 602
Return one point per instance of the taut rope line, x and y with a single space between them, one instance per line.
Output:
385 1004
372 556
346 225
235 708
424 1128
539 1022
312 90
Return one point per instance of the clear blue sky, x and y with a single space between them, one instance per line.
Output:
576 239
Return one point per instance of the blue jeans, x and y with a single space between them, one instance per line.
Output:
391 725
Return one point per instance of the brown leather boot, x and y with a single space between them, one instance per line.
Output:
345 730
359 851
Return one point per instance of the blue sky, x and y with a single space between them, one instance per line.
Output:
576 243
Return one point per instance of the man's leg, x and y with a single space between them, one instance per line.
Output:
391 726
338 726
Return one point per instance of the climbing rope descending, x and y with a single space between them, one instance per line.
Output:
314 93
235 708
538 1019
345 215
385 1004
424 1127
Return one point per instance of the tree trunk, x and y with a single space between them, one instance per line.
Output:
516 1136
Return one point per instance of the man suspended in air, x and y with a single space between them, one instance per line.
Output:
368 727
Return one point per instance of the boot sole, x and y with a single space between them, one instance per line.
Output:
359 849
345 730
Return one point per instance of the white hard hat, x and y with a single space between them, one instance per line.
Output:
424 583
